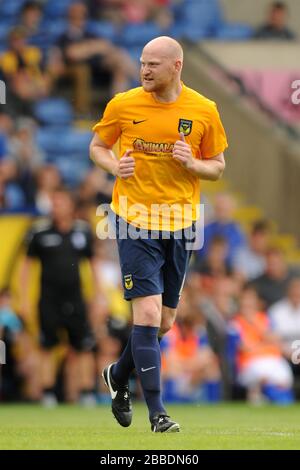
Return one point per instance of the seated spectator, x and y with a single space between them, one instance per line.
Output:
189 367
86 56
249 261
218 310
261 366
27 156
31 18
20 374
48 180
276 24
285 317
223 225
215 265
121 12
96 188
12 197
271 286
23 68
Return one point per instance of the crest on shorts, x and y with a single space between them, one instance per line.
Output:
128 281
185 126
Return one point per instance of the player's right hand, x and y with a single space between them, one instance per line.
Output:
126 165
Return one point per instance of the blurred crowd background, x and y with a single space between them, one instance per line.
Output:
237 336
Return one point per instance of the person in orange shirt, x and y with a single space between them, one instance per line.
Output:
169 137
190 369
261 366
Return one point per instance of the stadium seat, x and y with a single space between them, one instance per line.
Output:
4 30
57 8
54 111
72 169
63 141
10 9
102 29
134 35
204 15
234 32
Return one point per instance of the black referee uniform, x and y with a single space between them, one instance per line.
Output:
61 304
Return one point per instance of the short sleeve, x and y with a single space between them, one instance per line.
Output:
214 139
108 128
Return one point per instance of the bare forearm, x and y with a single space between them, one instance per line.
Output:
105 159
207 169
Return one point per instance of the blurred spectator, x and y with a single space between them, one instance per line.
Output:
214 265
86 56
190 369
285 317
60 244
11 195
23 68
27 156
31 18
249 261
121 12
20 374
271 286
223 225
276 24
218 310
96 188
48 180
261 367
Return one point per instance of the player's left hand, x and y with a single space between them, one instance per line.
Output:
182 152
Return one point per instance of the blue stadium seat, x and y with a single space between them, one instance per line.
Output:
57 8
57 141
4 30
194 33
134 35
234 32
72 169
54 111
10 8
206 15
102 29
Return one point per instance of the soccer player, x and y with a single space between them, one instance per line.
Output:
170 137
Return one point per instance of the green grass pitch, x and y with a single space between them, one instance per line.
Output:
224 426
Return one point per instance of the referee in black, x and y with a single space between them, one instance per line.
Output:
60 243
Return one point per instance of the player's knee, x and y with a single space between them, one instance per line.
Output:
150 316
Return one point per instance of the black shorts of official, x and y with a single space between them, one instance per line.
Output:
63 310
154 263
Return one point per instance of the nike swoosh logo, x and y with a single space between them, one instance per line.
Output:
138 122
149 368
112 391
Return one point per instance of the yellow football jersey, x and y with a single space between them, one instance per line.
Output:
162 194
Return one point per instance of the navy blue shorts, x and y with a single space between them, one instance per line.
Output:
154 266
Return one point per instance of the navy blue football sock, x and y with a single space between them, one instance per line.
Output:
146 355
125 365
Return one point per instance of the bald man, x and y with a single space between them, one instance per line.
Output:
170 137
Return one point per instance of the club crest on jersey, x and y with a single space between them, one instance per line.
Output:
128 281
185 126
